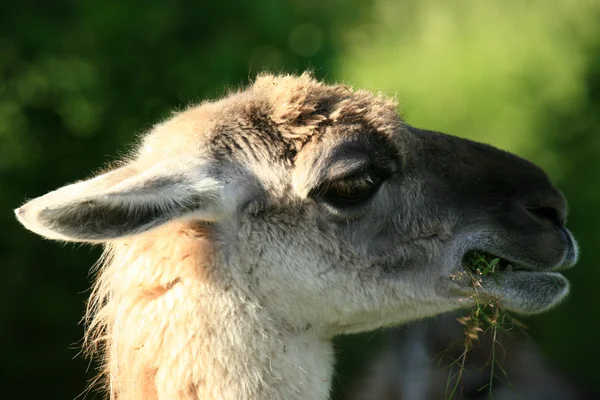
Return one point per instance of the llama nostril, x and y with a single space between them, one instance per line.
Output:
554 214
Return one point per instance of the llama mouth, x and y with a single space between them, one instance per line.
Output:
483 263
515 287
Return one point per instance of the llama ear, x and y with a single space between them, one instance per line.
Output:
122 203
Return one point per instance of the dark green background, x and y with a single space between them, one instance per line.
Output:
79 81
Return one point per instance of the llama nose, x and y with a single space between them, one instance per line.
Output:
553 209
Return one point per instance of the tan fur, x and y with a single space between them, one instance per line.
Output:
143 280
161 318
294 106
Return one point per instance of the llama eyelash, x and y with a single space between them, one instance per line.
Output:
351 191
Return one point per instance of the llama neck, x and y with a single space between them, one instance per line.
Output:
235 353
268 367
175 332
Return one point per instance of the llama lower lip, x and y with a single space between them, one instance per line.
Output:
526 290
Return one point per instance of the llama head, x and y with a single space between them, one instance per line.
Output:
328 209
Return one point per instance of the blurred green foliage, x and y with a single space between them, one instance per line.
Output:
79 81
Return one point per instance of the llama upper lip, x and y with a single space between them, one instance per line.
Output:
515 257
507 264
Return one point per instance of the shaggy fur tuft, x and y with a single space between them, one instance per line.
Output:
145 312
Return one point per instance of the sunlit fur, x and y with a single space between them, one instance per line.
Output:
159 307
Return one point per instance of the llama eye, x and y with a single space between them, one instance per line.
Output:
350 192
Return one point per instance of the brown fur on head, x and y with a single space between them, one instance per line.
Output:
291 212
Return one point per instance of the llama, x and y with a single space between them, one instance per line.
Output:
244 234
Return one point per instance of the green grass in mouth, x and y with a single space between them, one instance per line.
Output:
488 317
